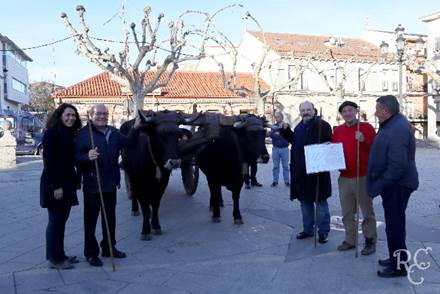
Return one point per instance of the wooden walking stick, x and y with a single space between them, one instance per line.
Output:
101 196
356 236
317 181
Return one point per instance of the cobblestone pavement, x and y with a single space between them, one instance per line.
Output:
197 256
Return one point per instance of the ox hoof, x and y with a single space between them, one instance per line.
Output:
135 213
145 237
157 231
215 219
238 221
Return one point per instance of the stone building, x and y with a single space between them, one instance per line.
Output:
328 70
186 91
432 23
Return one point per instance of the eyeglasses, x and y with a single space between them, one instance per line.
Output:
101 113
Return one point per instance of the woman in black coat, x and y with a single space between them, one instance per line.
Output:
59 180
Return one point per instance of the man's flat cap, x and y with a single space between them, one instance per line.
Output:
347 103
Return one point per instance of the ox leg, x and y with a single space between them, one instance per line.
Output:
146 228
236 213
157 230
134 207
216 194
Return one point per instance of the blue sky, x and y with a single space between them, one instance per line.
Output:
29 23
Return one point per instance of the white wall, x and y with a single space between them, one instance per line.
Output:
433 28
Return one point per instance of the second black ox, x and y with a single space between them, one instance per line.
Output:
239 140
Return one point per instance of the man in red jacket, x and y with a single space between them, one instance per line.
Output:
348 135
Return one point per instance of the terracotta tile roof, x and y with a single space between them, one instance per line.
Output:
314 46
182 85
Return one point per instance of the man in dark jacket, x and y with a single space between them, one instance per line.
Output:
392 173
108 144
311 130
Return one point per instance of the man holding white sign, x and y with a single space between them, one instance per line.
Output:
304 187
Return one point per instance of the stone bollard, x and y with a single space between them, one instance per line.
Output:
8 145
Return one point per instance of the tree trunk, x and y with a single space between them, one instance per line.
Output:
139 98
260 105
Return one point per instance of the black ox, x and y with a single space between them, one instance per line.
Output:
148 162
234 142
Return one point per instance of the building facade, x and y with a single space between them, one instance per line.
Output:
187 91
433 57
414 98
14 82
322 69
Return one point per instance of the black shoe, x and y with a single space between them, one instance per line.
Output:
389 272
116 254
248 187
274 184
256 184
94 261
385 262
287 184
323 238
71 259
303 235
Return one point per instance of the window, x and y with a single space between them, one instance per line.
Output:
38 125
385 80
361 81
436 44
304 84
18 86
14 55
27 125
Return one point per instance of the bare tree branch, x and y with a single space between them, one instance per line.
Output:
131 74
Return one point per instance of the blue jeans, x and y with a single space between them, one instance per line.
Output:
308 215
280 154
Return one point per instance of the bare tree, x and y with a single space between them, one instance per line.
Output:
337 87
41 99
257 91
132 75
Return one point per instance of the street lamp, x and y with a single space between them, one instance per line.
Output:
400 48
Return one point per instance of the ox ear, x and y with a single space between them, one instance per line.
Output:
239 124
145 118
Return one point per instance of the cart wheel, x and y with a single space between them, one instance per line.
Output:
190 177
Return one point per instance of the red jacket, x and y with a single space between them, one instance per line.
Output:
346 135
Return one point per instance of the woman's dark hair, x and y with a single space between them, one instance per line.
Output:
54 120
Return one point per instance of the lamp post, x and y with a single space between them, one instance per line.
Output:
400 50
400 46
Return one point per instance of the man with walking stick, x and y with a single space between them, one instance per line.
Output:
356 138
101 177
309 187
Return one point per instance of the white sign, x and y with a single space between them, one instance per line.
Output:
324 157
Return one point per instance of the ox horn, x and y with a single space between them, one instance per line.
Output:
189 120
239 124
144 117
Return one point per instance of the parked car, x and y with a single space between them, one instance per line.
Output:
27 129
